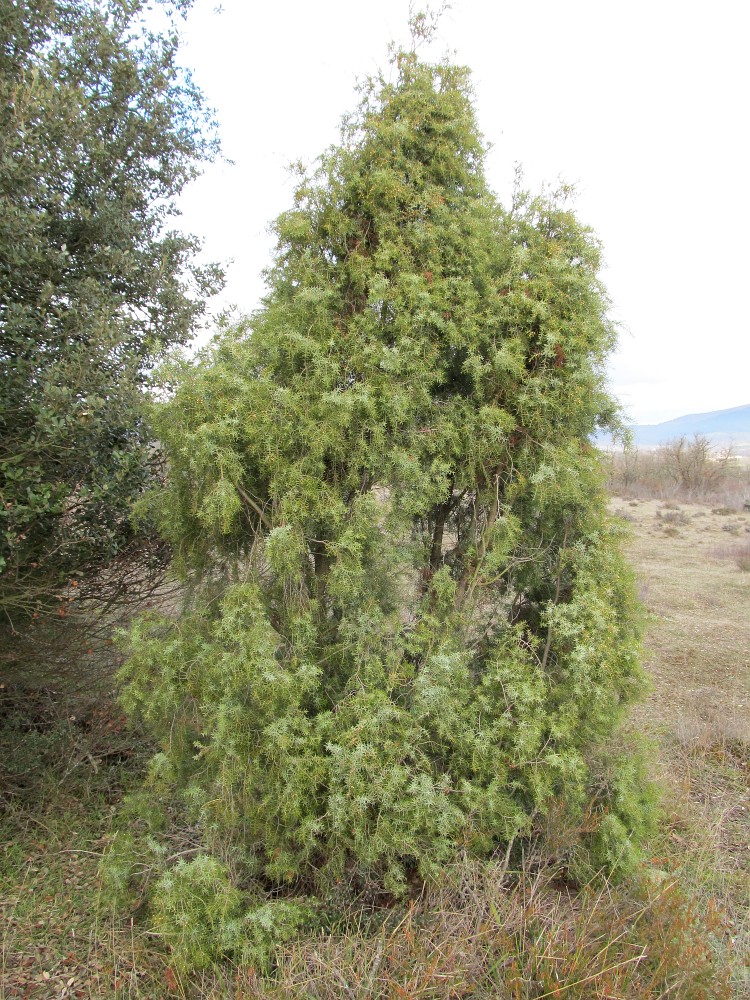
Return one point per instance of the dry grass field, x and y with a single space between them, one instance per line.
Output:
693 565
683 931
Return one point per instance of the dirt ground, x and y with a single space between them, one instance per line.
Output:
692 562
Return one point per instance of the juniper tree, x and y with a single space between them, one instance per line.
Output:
413 633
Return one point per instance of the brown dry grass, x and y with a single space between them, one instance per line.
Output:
696 593
697 599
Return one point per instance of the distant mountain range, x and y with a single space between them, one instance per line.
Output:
721 427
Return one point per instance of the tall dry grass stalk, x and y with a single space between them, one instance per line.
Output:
523 935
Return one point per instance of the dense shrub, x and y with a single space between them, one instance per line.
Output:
412 633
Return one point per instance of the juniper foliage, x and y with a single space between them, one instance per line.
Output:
415 634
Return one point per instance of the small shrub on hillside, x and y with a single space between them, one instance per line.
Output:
674 517
739 554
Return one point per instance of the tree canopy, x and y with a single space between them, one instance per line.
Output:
100 130
414 634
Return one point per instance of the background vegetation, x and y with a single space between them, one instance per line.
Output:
99 132
682 469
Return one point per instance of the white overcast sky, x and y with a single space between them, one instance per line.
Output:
644 105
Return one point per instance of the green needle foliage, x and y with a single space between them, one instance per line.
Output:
414 634
99 131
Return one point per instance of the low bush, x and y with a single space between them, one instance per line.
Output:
738 554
